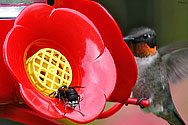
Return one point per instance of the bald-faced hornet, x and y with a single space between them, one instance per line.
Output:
68 94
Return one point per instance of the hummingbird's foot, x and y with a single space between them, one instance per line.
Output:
139 102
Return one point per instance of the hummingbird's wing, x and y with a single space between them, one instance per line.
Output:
168 49
175 57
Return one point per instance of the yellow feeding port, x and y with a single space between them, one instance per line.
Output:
48 70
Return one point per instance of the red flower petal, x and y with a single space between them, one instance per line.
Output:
91 106
112 38
74 36
50 109
101 72
32 18
23 114
7 88
111 35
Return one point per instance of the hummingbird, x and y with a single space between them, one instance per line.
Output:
157 68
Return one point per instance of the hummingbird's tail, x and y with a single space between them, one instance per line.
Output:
174 118
180 120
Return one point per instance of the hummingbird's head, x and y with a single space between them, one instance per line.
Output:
143 41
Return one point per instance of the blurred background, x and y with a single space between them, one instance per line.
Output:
169 18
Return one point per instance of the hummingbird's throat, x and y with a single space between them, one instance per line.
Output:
142 50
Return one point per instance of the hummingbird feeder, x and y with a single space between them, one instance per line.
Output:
72 43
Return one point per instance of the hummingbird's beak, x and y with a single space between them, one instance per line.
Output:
128 38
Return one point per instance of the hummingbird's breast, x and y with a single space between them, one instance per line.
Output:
145 62
152 82
150 77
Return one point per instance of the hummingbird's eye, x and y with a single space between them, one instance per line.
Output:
145 36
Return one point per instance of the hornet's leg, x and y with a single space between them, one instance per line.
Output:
79 102
59 96
53 93
81 98
79 105
65 105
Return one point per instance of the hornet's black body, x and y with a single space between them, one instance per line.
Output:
68 94
71 95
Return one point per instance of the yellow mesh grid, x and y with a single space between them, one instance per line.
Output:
48 70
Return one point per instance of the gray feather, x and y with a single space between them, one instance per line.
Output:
155 71
175 57
152 83
173 47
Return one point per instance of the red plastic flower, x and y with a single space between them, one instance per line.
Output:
90 39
